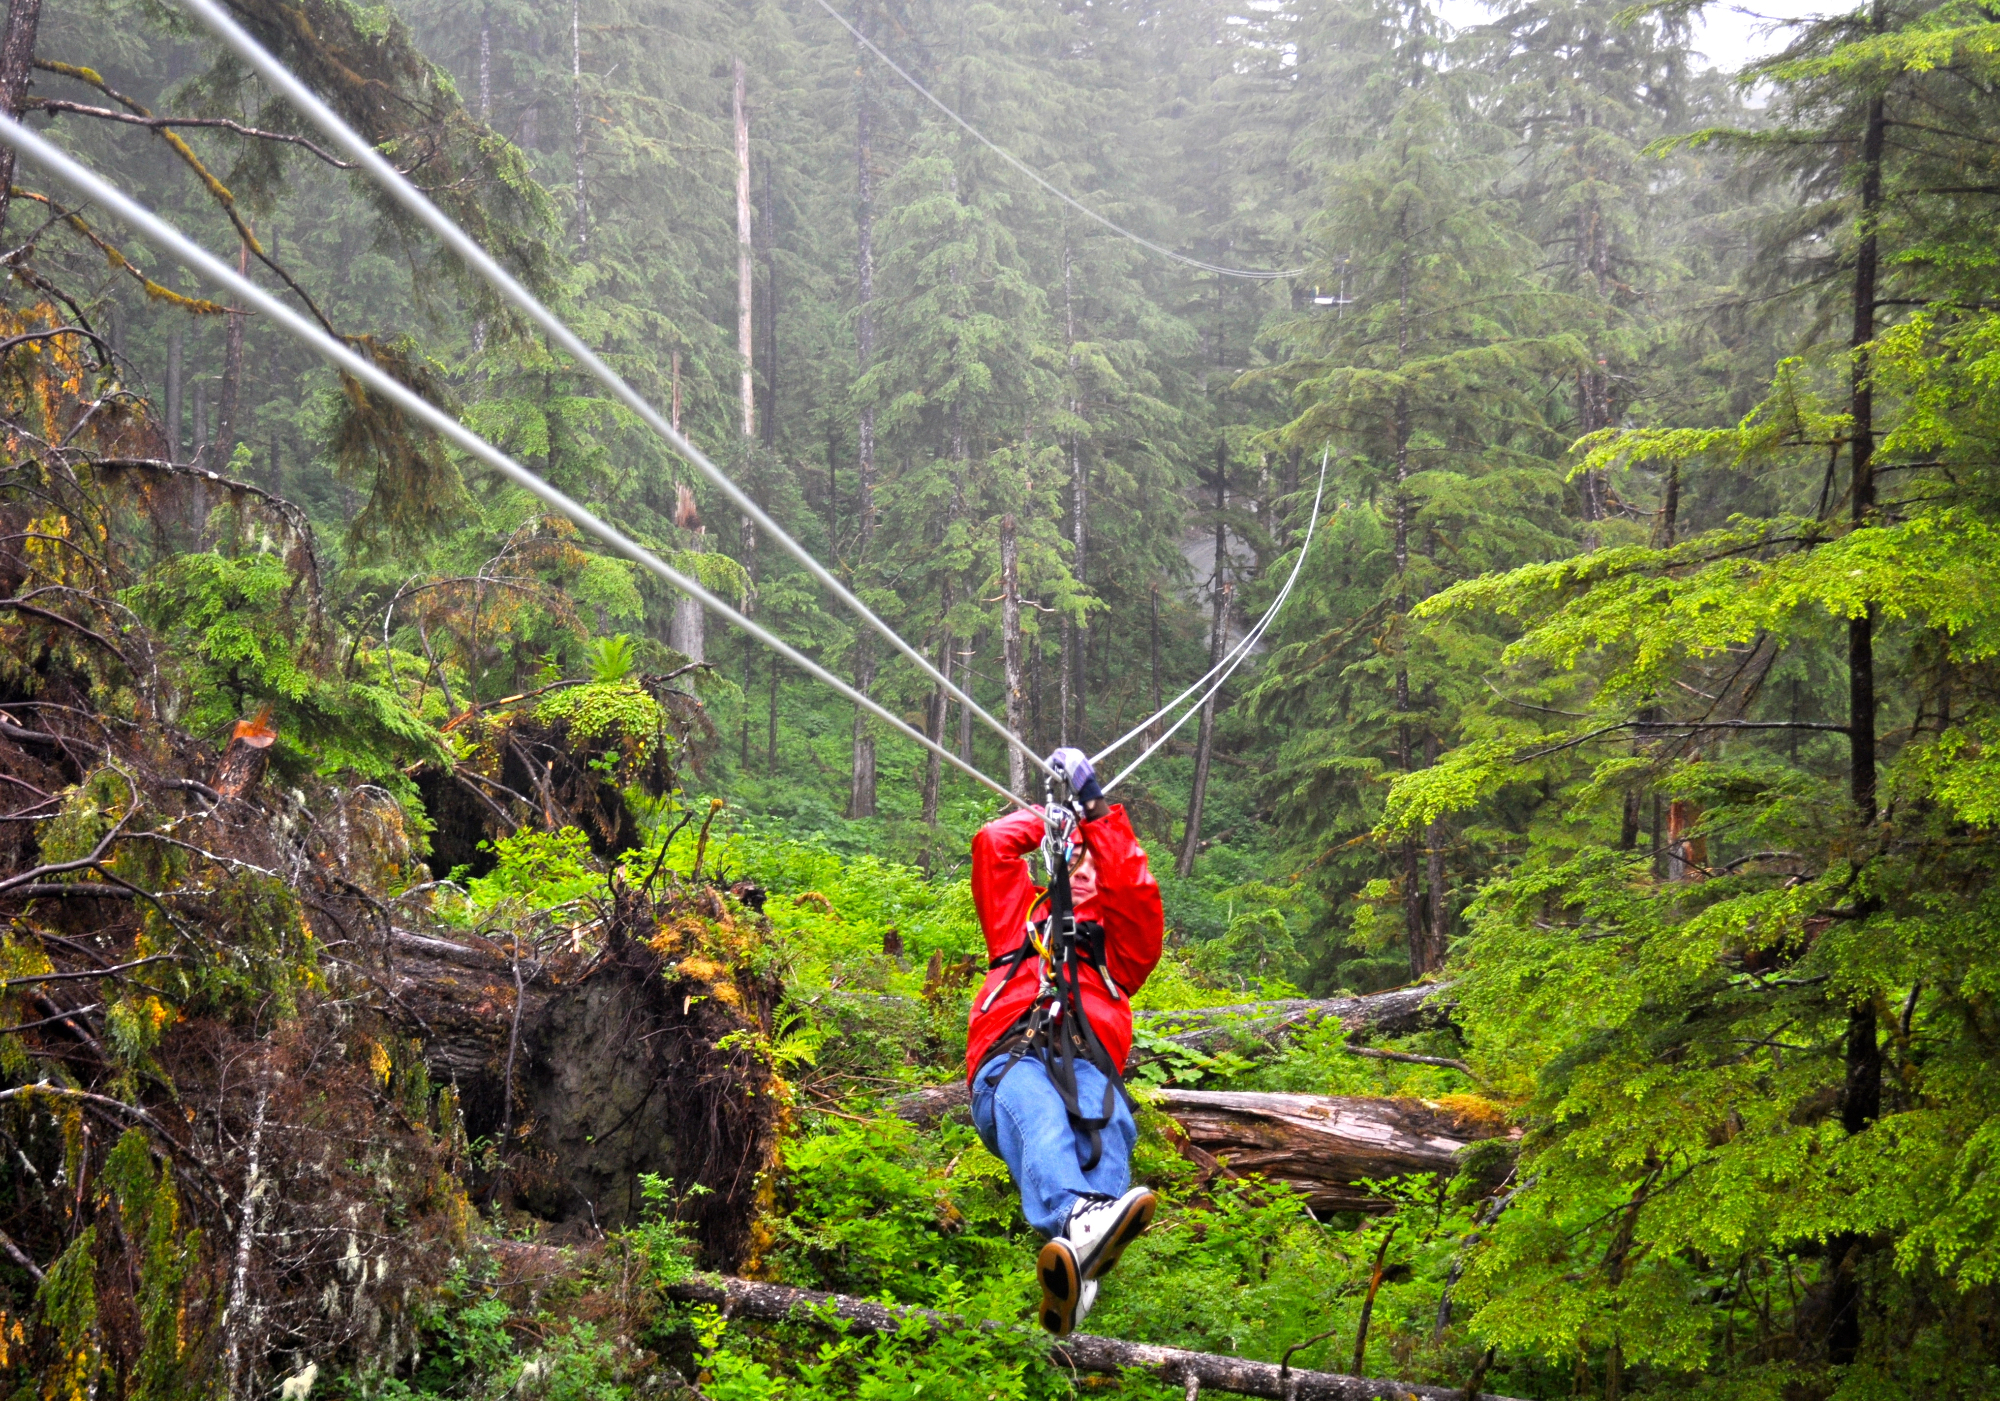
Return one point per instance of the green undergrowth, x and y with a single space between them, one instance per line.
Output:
878 964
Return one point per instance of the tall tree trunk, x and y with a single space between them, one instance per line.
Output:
231 395
934 721
175 441
771 731
17 55
1065 641
1153 597
1435 837
576 121
966 683
1861 1100
1075 642
861 792
745 321
486 66
1415 935
1204 744
770 312
1010 649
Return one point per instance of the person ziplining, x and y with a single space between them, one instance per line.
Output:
1051 1027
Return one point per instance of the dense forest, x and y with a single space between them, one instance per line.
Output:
443 962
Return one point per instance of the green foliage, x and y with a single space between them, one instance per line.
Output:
66 1304
243 637
543 870
609 659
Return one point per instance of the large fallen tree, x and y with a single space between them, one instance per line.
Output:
1331 1148
1194 1371
1207 1030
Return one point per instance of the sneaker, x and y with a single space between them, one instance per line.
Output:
1066 1295
1101 1227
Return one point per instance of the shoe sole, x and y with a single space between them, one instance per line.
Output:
1062 1287
1128 1228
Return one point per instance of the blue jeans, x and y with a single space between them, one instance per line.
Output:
1024 1124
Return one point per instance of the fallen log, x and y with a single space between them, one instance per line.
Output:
1083 1352
1206 1030
1329 1147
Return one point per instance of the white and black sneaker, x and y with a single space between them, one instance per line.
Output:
1066 1297
1100 1228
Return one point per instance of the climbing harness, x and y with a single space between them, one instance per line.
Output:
1055 1029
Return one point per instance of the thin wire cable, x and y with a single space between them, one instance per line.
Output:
1252 274
1241 652
246 292
406 194
1249 638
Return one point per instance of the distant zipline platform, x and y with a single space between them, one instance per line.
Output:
1081 1352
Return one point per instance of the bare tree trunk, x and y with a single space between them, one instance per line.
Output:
861 792
1414 932
1153 733
966 683
687 633
175 442
1204 744
771 735
770 312
1861 1099
576 120
1435 836
231 395
1010 647
745 322
239 1308
486 66
199 438
17 54
935 719
1065 641
1075 638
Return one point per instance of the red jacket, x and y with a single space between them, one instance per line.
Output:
1117 891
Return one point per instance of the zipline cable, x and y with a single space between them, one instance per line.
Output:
1252 274
1243 650
245 292
406 194
1249 638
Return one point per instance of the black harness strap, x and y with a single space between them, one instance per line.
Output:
1055 1029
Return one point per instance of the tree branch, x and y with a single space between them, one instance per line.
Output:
1207 1371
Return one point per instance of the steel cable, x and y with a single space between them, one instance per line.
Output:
1249 638
406 194
1252 274
1242 650
246 292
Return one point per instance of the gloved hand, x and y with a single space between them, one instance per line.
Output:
1074 765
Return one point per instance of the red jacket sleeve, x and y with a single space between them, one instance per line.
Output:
1128 900
1002 890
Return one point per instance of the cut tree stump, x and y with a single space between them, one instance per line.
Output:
1328 1147
1195 1371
